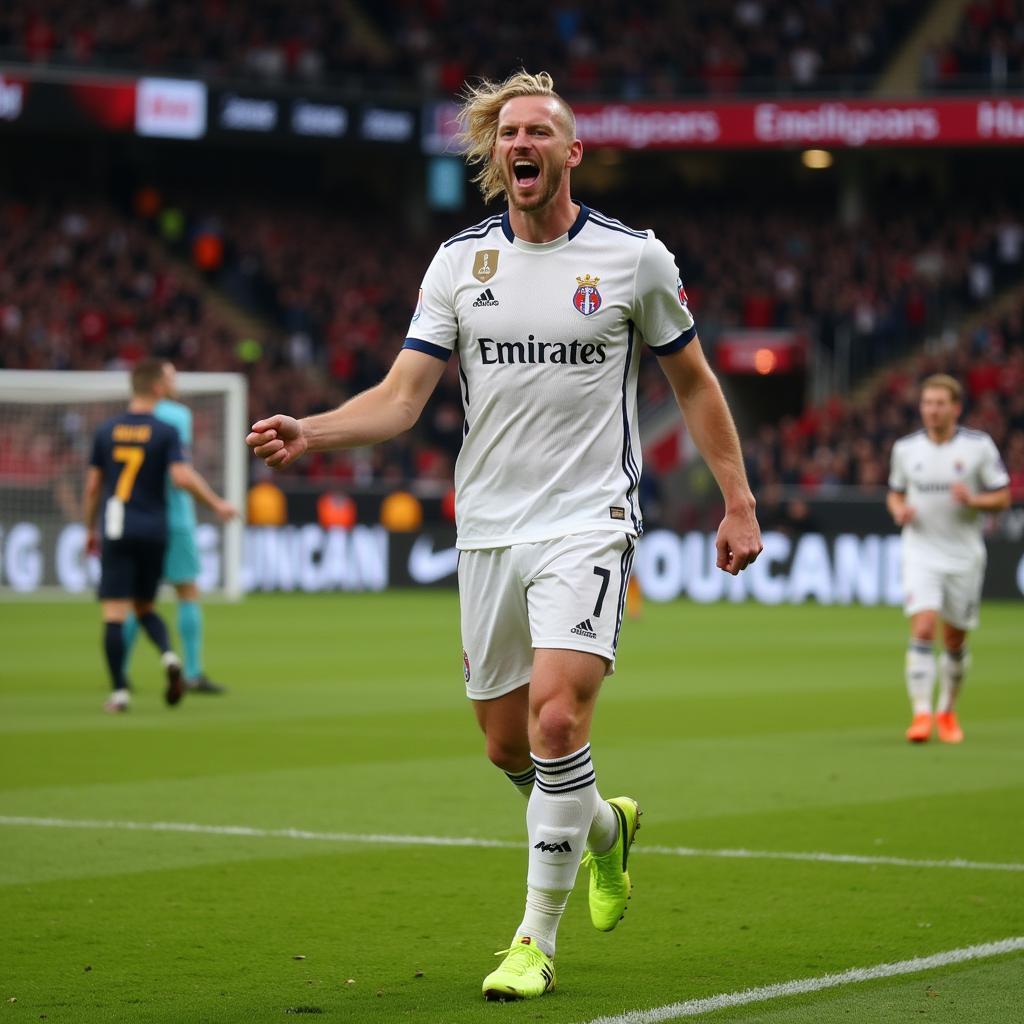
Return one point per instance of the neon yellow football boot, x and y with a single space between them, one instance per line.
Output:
610 886
526 972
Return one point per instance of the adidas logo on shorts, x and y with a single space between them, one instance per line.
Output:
584 628
486 299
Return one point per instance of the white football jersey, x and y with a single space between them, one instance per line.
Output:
944 533
549 338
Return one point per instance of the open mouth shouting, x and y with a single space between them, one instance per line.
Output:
526 172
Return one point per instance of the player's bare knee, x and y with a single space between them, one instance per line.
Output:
508 754
922 628
555 730
508 758
953 638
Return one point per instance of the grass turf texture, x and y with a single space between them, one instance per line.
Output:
735 726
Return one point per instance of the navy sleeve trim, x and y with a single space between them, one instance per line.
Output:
680 343
437 351
992 490
897 490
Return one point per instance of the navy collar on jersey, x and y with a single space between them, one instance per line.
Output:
577 226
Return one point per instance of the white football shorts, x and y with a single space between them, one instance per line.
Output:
956 596
566 594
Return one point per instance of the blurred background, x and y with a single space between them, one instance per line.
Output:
258 189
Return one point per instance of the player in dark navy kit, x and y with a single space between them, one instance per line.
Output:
126 490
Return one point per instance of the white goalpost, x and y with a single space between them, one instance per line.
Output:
47 422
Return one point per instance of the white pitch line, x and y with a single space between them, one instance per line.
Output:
831 858
261 833
695 1007
379 839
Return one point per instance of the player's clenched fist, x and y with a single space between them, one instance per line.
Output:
277 440
739 541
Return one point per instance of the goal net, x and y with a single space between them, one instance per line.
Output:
47 422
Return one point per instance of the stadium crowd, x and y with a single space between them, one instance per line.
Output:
874 288
986 50
846 442
83 286
88 286
655 49
599 48
263 40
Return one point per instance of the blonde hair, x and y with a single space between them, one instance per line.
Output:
478 118
943 380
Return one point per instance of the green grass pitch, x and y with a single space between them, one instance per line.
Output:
771 729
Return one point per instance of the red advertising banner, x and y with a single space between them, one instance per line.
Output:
827 123
761 352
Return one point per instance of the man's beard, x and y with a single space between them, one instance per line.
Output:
541 199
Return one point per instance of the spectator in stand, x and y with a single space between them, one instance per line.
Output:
602 49
985 50
84 285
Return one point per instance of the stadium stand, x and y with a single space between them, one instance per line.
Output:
85 285
985 52
846 442
659 49
262 41
82 287
88 286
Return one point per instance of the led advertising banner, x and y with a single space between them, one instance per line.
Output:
827 123
174 108
828 568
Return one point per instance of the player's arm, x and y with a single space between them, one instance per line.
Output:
711 426
377 414
188 478
91 505
901 512
896 500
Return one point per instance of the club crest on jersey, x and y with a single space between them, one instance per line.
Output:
419 307
485 264
587 299
683 300
465 664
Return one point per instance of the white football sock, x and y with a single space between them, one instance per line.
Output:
953 666
558 817
920 674
604 829
523 781
544 909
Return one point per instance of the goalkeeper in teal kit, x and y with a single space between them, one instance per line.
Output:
181 562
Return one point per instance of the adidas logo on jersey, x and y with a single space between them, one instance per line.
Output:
584 628
486 298
553 847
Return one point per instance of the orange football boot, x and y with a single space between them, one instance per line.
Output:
948 727
920 728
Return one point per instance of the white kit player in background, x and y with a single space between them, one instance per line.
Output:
547 305
941 479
